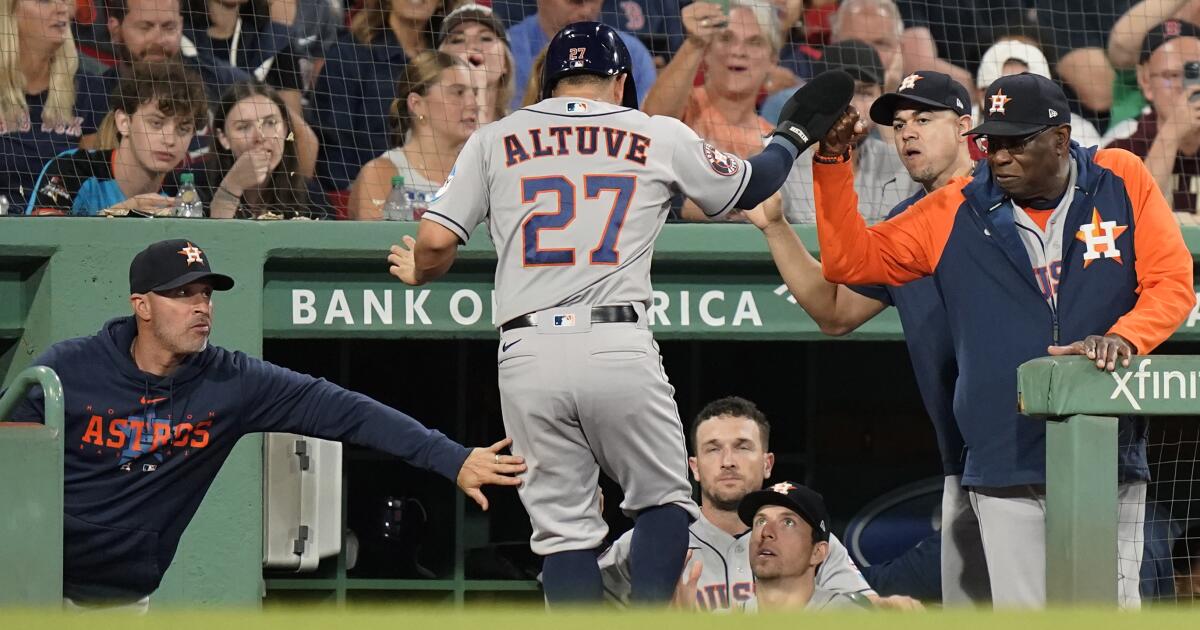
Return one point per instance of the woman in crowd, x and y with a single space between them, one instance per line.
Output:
737 52
474 34
38 86
253 172
256 36
434 114
355 90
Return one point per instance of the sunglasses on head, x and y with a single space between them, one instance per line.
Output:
1015 145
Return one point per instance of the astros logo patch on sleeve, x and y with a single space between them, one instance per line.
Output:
722 163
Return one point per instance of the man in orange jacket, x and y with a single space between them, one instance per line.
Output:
1047 242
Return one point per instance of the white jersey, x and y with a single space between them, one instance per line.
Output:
574 193
726 581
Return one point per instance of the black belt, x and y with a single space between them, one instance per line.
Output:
600 315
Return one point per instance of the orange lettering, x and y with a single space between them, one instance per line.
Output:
201 434
94 434
182 431
162 435
117 432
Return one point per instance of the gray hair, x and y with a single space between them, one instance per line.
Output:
767 18
887 7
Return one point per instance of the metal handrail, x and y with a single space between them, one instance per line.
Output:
51 390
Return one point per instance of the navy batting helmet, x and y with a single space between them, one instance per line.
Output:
588 48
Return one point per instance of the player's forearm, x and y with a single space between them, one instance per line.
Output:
669 95
802 275
432 262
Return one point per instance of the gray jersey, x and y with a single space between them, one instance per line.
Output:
726 582
574 192
1045 247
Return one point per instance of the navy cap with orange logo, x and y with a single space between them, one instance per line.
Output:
1021 104
170 264
925 89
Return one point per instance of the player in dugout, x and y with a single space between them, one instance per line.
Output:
731 459
928 115
153 409
1050 248
789 534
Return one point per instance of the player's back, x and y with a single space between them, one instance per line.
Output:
574 192
579 190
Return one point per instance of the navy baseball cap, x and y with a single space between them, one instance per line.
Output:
1021 104
933 90
1165 32
170 264
802 500
859 60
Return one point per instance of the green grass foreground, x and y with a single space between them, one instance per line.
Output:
423 618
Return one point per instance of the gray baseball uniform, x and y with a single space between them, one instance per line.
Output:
726 582
574 192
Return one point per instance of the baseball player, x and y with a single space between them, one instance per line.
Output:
928 115
574 191
1047 243
789 539
730 460
153 410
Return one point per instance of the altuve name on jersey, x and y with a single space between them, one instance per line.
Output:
565 140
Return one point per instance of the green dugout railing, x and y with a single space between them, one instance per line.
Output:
31 495
1080 403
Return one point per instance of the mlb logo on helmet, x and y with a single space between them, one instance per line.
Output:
564 320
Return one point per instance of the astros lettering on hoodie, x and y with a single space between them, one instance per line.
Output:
142 450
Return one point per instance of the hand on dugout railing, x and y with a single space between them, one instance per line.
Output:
1104 350
487 467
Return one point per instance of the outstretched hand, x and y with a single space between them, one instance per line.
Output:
487 467
404 266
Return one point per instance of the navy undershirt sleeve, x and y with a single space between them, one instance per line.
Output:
768 171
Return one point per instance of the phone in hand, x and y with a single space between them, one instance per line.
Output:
1191 76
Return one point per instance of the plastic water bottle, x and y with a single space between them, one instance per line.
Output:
188 204
397 208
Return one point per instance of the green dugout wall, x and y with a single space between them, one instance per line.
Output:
62 277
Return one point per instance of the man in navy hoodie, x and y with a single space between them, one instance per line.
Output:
153 410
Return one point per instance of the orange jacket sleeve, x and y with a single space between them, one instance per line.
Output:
1166 293
899 250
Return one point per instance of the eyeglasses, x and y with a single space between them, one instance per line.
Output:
1015 145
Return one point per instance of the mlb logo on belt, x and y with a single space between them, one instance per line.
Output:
564 320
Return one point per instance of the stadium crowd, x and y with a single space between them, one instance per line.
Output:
312 108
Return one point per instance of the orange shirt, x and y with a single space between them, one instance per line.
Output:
910 245
740 140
